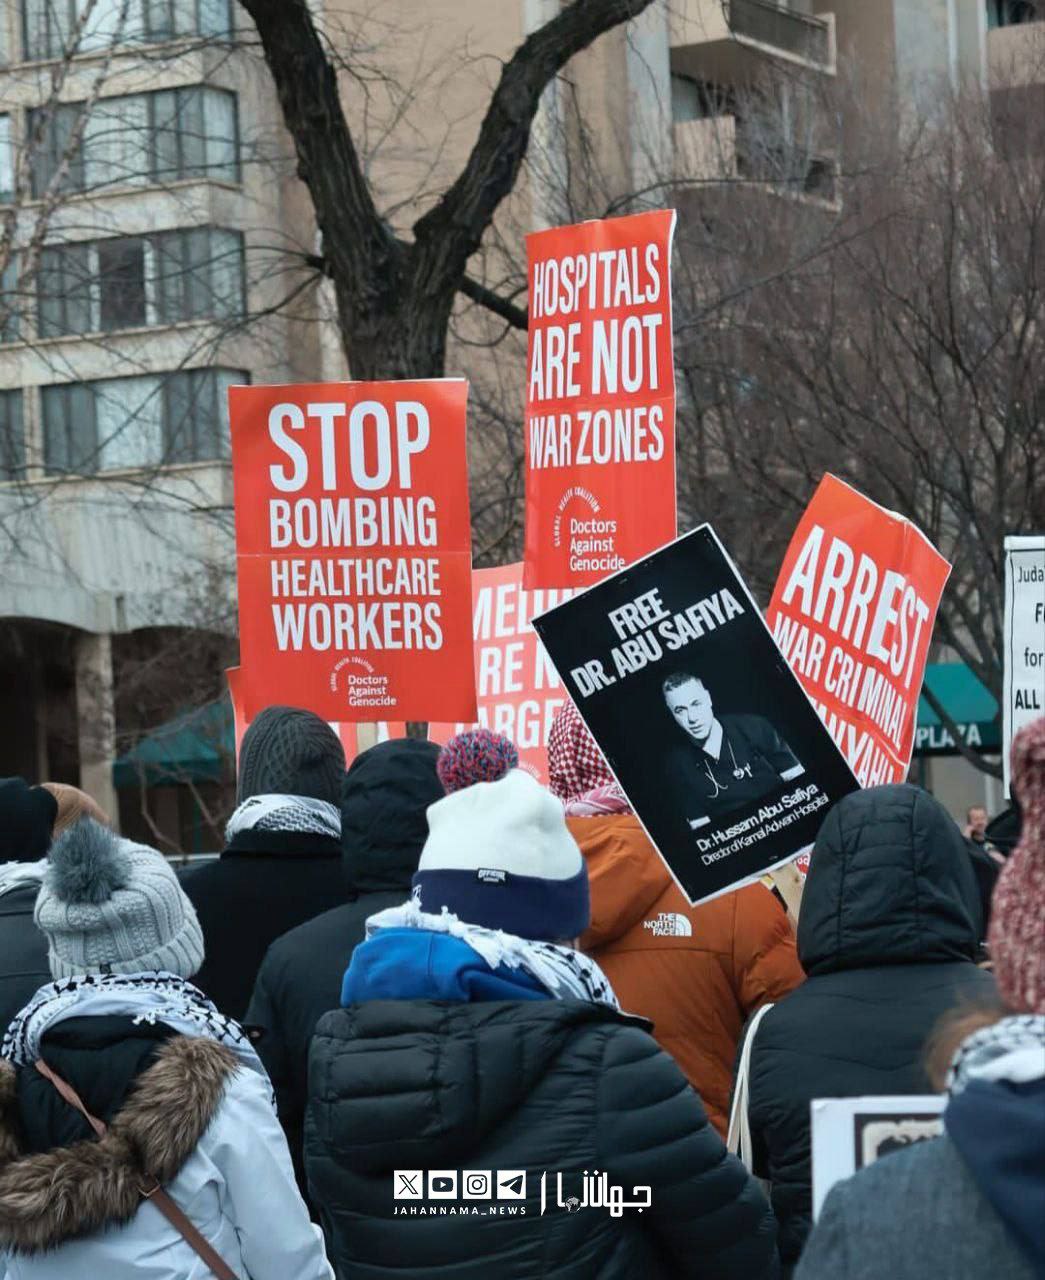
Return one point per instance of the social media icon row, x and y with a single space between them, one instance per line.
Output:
466 1184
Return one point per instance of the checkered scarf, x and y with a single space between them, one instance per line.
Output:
577 769
1012 1049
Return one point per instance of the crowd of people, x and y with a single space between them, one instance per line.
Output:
419 1015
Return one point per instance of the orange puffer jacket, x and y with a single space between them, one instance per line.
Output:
697 972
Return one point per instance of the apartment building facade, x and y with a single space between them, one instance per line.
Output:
146 178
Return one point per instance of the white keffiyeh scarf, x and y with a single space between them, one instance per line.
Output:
1012 1049
286 813
564 973
144 997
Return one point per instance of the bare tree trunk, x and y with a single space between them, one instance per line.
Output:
394 298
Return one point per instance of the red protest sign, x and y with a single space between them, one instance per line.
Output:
348 733
600 398
853 611
518 690
353 547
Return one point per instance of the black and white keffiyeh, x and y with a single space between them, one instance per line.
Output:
15 874
144 997
286 813
564 973
1012 1049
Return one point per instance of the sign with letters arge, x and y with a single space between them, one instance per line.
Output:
708 731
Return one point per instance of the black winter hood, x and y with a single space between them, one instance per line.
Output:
27 817
890 882
399 1084
384 814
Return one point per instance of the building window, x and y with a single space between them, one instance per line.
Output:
699 99
63 289
10 302
7 161
193 133
121 284
12 436
195 273
48 25
1010 13
198 274
128 423
136 140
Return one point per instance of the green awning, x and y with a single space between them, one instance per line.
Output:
969 703
197 746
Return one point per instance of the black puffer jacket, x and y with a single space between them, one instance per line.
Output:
384 825
536 1086
887 933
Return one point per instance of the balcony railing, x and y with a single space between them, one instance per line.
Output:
798 34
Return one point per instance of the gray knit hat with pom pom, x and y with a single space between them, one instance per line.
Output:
108 905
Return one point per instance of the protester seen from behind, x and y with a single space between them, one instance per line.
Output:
888 935
473 1036
973 1201
27 819
282 859
697 972
384 800
125 1096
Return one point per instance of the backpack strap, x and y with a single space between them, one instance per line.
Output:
178 1220
738 1139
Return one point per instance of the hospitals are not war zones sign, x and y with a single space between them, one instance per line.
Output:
720 752
600 398
353 547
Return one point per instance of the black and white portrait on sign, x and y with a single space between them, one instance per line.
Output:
721 762
721 754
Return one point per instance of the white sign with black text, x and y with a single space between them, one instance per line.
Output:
1023 699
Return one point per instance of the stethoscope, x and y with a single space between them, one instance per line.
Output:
739 771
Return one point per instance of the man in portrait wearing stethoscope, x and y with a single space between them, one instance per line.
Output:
729 762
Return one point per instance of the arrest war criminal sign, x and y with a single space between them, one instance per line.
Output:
600 398
353 547
853 611
718 749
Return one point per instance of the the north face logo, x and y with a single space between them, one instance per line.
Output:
669 924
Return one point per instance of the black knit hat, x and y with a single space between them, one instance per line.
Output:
27 817
287 751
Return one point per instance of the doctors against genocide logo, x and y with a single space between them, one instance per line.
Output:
503 1190
669 924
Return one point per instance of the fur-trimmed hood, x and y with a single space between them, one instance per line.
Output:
51 1198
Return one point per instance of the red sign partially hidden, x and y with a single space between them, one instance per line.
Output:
853 612
353 546
600 398
348 733
518 689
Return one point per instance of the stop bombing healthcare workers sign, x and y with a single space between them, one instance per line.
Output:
600 399
853 611
348 734
518 689
353 547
